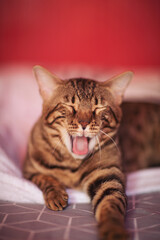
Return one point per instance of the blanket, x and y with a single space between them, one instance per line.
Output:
13 187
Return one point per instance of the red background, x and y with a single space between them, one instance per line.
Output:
95 32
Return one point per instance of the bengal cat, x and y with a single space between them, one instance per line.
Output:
74 144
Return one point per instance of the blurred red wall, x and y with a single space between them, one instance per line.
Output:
94 32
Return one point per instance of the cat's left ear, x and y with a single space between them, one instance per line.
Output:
47 82
118 85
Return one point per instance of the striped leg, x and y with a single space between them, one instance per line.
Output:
54 193
107 192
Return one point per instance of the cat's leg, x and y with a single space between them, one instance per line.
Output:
107 193
109 212
54 192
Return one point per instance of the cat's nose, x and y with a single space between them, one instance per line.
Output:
84 124
84 117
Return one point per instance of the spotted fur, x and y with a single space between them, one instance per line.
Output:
80 107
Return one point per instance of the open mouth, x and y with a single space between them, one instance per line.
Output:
80 145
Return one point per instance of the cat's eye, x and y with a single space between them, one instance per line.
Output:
74 111
66 98
73 99
94 113
105 117
63 112
96 101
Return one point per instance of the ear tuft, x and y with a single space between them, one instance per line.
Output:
46 81
118 85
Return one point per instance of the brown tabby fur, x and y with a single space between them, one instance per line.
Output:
72 108
139 135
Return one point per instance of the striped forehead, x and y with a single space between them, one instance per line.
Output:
84 88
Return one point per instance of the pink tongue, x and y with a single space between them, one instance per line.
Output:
80 145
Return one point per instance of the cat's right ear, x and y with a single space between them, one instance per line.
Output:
46 81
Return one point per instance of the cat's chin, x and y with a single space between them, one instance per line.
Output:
76 156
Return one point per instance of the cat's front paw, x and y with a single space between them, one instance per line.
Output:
122 235
56 199
114 233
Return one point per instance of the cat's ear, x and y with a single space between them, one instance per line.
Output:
118 85
46 81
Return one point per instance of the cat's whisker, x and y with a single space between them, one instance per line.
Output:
99 146
55 147
111 140
92 152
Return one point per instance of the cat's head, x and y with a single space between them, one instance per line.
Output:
83 112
